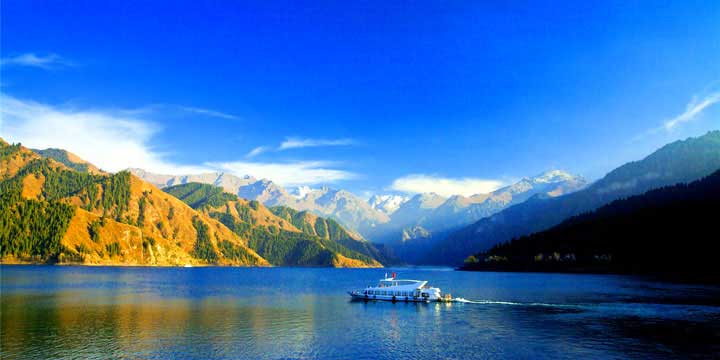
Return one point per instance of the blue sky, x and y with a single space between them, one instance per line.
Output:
367 96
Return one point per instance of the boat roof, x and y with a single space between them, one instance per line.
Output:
400 280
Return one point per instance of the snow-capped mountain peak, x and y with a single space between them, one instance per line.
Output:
387 203
553 176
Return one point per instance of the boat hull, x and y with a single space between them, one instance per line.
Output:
361 297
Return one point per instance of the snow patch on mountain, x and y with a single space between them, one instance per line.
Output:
301 192
387 203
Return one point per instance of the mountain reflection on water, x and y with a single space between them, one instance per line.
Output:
71 312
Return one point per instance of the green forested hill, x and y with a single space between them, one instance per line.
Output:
69 159
671 230
34 227
281 235
330 229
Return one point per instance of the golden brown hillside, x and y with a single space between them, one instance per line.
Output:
76 217
258 215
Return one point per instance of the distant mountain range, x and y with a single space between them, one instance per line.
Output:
347 208
383 218
390 219
668 231
678 162
426 219
434 212
57 208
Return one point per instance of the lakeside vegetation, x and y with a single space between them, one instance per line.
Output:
32 229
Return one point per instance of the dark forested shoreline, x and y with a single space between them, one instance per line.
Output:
671 232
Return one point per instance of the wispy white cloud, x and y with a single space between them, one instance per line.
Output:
117 139
699 103
287 174
107 139
296 143
420 183
208 112
170 110
696 106
257 151
46 62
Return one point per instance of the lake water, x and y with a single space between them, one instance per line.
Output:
287 313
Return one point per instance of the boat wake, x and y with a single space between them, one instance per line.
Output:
512 303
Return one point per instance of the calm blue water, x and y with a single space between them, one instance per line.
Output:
281 313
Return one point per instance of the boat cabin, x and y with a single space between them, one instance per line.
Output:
401 289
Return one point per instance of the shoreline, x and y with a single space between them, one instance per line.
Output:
667 276
26 263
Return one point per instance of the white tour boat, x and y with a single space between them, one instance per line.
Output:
393 289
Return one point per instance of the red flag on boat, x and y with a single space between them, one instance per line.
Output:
393 275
